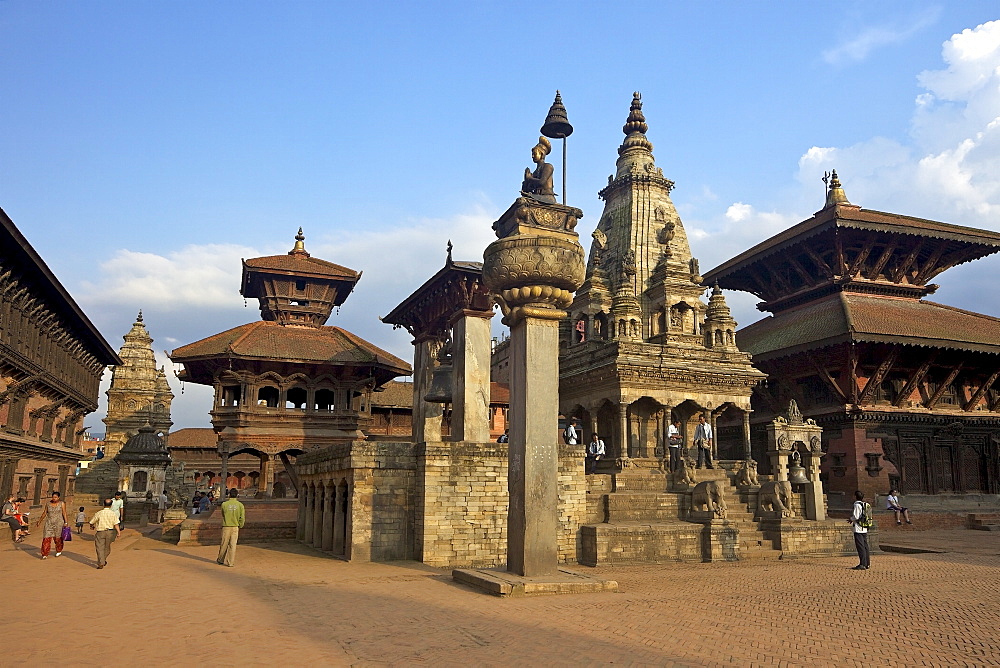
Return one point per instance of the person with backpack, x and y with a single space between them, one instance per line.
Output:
861 520
570 433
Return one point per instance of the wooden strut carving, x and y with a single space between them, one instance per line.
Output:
879 375
914 380
882 260
899 272
941 388
824 374
981 391
862 256
819 262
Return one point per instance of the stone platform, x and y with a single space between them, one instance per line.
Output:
504 584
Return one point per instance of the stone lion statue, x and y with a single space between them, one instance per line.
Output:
684 475
746 474
708 495
776 496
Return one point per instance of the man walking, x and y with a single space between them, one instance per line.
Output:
233 518
161 506
703 441
107 527
860 520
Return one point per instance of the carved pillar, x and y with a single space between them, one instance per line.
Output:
623 443
746 435
224 448
310 508
426 414
318 504
339 518
470 418
329 491
533 268
713 417
37 497
300 523
265 483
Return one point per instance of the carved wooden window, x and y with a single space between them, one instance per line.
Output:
944 480
296 398
325 400
267 397
971 468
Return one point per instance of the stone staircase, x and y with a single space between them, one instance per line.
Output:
984 521
643 521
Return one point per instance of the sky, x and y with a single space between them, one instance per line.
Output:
146 147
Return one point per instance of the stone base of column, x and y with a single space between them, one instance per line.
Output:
506 584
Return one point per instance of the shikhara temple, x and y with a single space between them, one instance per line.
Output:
904 388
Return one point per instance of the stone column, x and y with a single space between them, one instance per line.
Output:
426 414
470 417
265 483
224 447
713 418
532 269
327 540
746 435
623 449
318 504
309 491
339 518
300 523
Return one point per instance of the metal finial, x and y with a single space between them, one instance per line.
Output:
636 121
138 318
835 194
300 245
450 246
556 125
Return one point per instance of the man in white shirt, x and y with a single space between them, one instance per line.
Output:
703 441
118 506
861 509
571 437
106 529
674 444
595 452
161 506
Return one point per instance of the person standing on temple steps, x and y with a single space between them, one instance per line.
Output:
703 441
233 519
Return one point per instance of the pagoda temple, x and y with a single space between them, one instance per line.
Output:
904 388
640 345
287 383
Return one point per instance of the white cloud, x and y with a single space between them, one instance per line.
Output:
739 211
860 45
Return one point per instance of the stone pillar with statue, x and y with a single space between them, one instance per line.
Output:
532 270
787 440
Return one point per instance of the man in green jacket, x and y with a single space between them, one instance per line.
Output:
233 518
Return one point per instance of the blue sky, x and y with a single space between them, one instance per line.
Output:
146 147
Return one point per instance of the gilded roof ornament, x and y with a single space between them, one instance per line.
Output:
835 193
300 245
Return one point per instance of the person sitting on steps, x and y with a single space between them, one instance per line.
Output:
892 503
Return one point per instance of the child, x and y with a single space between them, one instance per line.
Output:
81 517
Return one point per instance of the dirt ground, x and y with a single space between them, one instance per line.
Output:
285 604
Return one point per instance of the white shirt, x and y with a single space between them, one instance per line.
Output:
595 448
116 506
673 432
892 502
571 434
857 514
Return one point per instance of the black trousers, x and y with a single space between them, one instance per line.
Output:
861 543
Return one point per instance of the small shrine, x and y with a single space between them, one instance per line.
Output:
142 469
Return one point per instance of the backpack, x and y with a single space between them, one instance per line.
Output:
866 521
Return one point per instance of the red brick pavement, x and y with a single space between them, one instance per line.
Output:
287 604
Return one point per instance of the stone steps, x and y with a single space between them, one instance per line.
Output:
984 521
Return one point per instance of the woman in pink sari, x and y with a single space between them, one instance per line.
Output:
54 517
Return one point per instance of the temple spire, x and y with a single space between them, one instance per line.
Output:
635 128
300 245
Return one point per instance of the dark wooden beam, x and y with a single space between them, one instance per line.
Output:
876 379
915 379
824 374
940 390
841 267
954 258
818 261
922 272
896 274
806 277
981 391
862 255
852 370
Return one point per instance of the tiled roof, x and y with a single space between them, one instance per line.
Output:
500 393
193 437
394 394
858 218
300 264
270 340
852 317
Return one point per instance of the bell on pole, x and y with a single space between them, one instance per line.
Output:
556 126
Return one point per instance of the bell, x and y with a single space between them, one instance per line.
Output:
440 391
797 475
